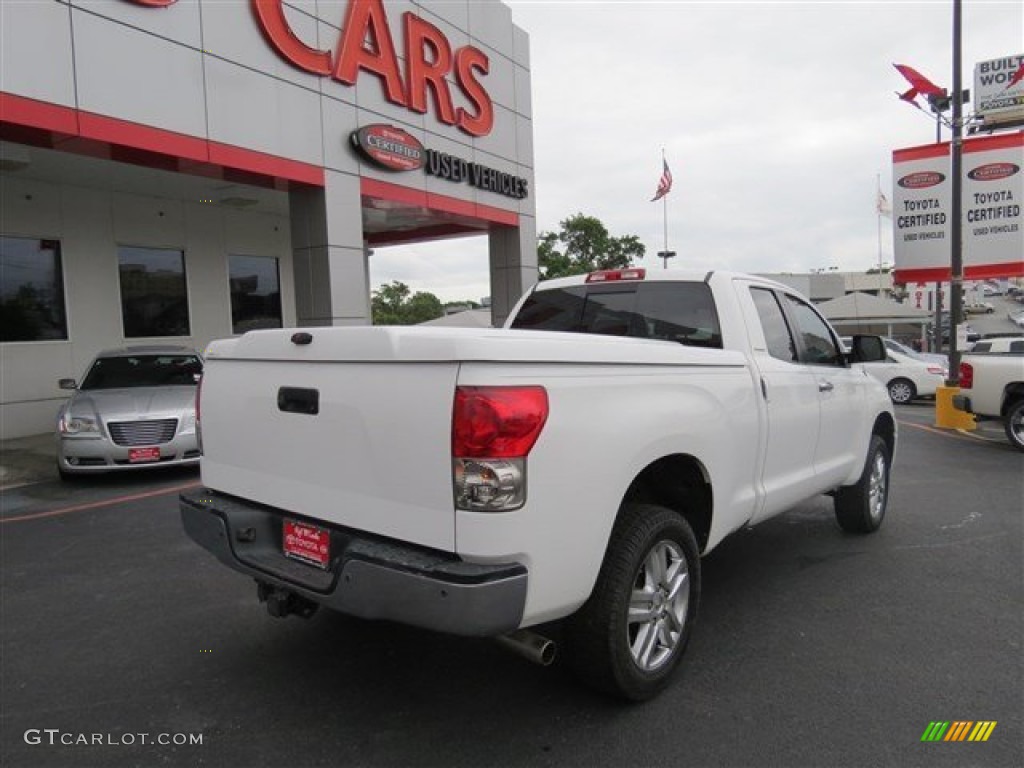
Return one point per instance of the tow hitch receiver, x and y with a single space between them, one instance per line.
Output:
280 602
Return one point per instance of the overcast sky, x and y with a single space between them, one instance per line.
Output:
776 118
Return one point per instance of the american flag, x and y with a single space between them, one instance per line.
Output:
664 183
882 206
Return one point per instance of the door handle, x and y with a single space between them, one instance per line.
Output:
825 386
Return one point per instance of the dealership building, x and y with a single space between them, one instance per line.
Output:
175 171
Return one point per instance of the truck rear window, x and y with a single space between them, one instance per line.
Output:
669 311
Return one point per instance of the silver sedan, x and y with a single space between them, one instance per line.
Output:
135 408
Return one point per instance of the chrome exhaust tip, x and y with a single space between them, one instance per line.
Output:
529 645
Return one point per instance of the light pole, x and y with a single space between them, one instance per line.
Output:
956 277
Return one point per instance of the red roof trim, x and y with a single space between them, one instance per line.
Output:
384 190
100 136
38 114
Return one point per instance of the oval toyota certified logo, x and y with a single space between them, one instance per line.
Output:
921 180
389 147
993 171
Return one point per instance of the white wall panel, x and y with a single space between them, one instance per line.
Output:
209 293
457 35
370 97
135 76
251 110
152 222
178 22
349 286
501 141
524 141
29 208
524 94
455 12
339 120
521 47
499 82
27 68
231 32
344 210
333 13
490 23
90 273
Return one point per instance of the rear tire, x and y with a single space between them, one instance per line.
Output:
1014 425
630 635
902 391
860 508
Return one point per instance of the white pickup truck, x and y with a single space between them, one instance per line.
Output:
574 465
992 386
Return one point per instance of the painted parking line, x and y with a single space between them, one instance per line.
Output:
954 433
100 504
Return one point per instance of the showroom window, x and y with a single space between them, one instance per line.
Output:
31 290
154 297
255 293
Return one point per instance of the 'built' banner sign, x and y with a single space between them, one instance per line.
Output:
993 195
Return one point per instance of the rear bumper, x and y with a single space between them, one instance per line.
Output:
369 577
962 403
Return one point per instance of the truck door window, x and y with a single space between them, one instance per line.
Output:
773 322
819 347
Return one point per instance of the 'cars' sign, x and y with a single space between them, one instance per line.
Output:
366 45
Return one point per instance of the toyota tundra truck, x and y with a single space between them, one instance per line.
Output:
571 467
992 387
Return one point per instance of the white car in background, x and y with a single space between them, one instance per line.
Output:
929 357
906 377
906 374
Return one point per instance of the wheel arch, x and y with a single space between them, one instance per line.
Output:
885 427
1011 395
679 482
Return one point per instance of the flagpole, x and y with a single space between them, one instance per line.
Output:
878 214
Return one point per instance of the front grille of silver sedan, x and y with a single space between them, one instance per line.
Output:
152 432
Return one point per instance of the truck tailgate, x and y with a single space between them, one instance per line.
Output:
375 455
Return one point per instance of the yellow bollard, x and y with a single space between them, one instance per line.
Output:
947 415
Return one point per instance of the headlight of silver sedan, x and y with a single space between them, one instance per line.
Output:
78 425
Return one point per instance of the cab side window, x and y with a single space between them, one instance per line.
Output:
773 323
819 346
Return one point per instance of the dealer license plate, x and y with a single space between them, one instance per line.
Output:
306 543
143 455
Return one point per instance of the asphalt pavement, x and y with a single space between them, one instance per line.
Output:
814 647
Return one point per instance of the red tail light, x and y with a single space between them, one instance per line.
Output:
199 391
966 375
497 422
612 275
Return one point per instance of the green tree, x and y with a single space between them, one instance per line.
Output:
583 245
394 304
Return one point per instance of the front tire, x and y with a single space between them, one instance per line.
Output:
630 635
902 391
860 508
1014 425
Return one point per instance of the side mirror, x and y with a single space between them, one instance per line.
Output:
67 384
867 349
